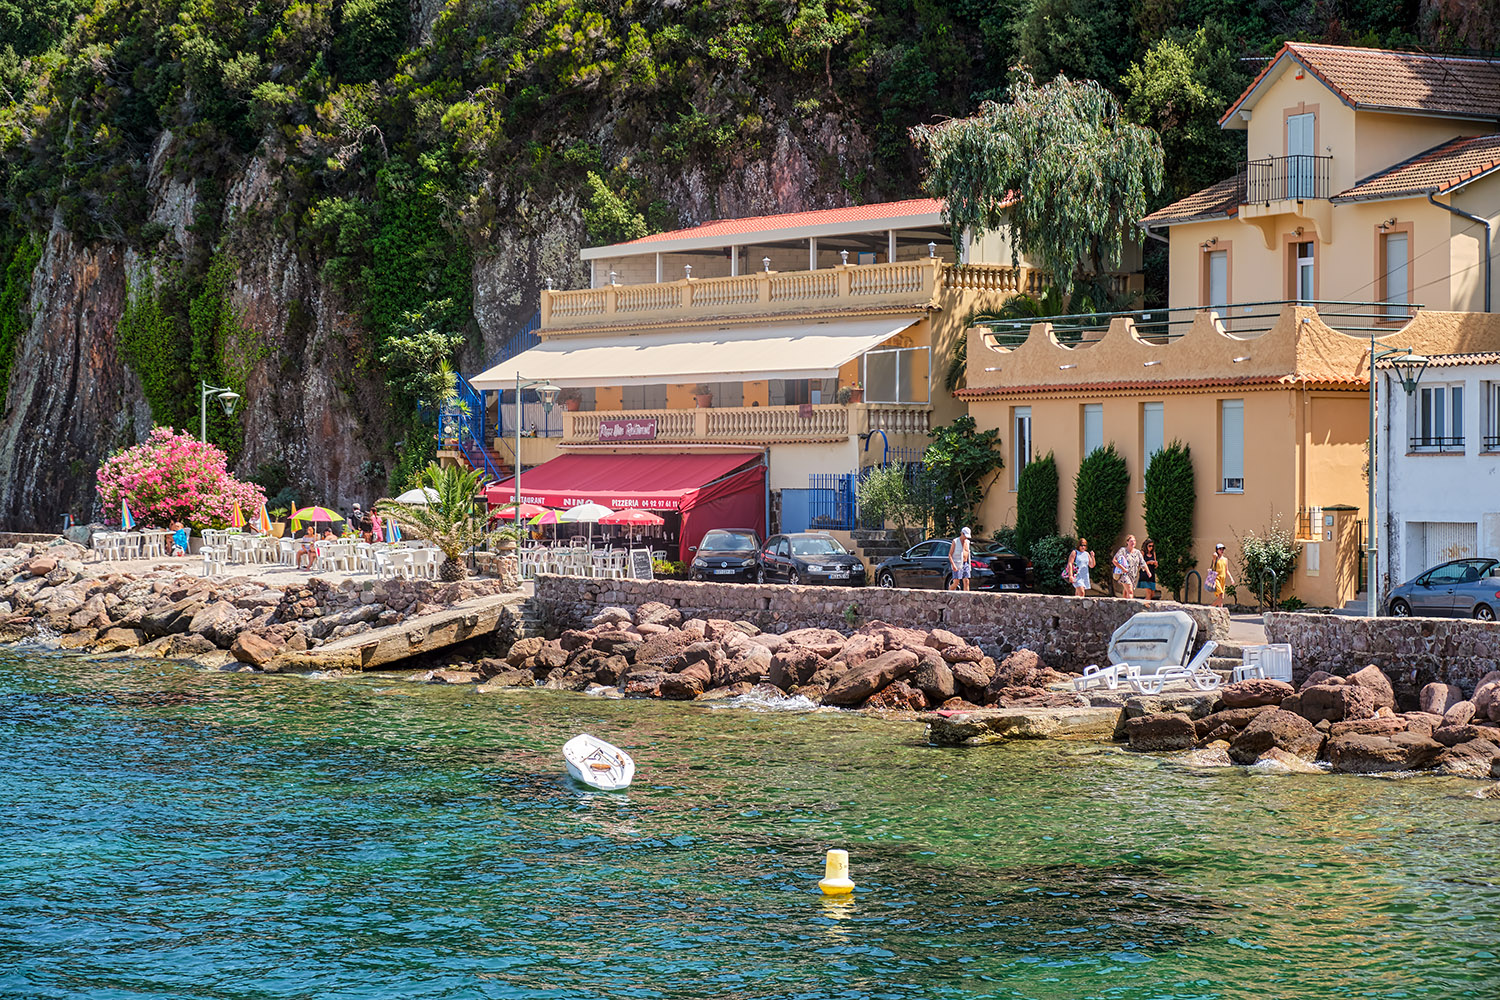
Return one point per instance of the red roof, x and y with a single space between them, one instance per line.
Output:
879 212
1386 80
1437 170
1214 201
619 482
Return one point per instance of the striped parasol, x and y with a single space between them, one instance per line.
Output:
263 521
127 519
395 530
317 514
236 516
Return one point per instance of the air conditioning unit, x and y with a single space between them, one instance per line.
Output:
1234 485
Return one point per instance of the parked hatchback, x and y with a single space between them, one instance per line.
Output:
925 565
726 555
1463 588
810 557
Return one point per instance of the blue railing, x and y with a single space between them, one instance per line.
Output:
464 421
523 339
833 497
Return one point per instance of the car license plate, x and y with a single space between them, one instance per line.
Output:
725 572
839 575
1010 586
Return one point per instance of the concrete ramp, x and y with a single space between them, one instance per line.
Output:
388 646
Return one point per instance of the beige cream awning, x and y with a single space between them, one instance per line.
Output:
725 354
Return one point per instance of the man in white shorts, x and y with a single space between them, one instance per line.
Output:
959 555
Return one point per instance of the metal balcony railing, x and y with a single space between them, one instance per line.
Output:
1281 178
1492 442
1439 445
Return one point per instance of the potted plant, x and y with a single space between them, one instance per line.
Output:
704 395
278 521
851 394
571 399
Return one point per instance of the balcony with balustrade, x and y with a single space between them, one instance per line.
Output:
755 426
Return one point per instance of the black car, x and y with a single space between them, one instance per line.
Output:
925 565
810 557
726 555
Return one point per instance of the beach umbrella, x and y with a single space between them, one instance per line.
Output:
633 517
395 531
585 513
317 514
263 521
127 519
423 496
236 516
527 511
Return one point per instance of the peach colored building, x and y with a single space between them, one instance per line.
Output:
1362 215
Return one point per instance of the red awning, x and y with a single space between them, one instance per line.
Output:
644 481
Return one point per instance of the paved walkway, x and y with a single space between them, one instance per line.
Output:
1246 629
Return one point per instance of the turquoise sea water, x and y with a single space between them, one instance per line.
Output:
171 833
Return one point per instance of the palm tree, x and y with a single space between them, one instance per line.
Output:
452 519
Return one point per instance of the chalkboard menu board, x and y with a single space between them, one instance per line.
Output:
640 564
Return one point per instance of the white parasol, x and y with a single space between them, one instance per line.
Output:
589 513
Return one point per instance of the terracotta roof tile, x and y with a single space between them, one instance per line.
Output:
1218 200
1386 80
1148 385
1453 360
1438 170
877 212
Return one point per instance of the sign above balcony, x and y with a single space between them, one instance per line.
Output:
627 430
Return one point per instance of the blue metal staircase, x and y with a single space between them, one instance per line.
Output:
468 413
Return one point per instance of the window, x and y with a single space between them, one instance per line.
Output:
1153 430
1394 258
1304 283
1438 423
896 375
643 397
727 393
1232 445
1491 396
797 391
1218 280
1022 438
1093 428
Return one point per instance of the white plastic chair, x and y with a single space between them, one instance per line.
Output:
1273 660
1109 676
215 558
1197 673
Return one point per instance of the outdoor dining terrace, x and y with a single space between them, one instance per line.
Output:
224 549
750 425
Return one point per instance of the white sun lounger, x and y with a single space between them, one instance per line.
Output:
1197 673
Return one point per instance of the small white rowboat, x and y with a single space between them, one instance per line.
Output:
597 764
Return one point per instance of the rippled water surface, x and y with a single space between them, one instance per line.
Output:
174 833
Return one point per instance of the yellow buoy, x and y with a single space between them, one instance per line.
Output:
835 881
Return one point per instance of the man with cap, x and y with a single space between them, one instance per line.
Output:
1219 577
959 555
360 522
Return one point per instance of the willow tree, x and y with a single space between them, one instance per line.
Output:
1057 165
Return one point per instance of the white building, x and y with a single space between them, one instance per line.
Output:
1438 487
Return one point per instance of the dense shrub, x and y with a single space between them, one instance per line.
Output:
893 496
1099 504
15 290
1048 557
1036 503
174 477
1170 499
961 464
1268 559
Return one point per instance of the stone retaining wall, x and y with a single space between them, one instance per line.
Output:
1068 632
1412 652
11 539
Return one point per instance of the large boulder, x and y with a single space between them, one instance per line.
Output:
869 677
1254 692
899 696
860 648
1460 713
1021 668
1487 697
702 651
1452 736
1280 761
823 641
523 649
171 619
613 618
1278 728
642 682
941 639
1438 697
976 676
1368 727
935 679
509 677
1373 679
795 666
220 622
753 665
1334 702
1319 677
256 648
1227 723
1474 759
687 683
1358 754
617 643
657 613
659 650
1160 731
41 565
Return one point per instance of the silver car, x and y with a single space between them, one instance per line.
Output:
1463 588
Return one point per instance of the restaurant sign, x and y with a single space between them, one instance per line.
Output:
627 430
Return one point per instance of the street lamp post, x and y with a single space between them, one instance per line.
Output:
227 398
548 394
1409 368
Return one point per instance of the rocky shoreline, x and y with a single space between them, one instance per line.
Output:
967 697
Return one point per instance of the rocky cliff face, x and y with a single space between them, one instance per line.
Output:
72 400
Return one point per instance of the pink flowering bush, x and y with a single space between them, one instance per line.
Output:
173 476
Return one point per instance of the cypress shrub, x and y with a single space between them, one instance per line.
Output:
1048 557
1036 503
1099 504
1170 498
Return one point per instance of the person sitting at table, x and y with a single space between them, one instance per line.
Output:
307 549
179 538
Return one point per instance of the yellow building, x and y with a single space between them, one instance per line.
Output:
739 336
1372 180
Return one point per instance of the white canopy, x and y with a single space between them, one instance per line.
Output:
425 495
806 349
585 512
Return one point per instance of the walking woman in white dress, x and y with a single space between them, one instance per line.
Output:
1080 561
